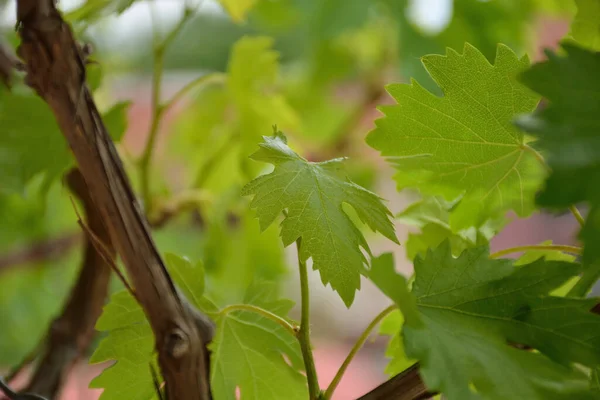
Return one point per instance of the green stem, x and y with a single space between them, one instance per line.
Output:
577 215
552 247
589 277
304 334
357 346
157 108
215 77
265 313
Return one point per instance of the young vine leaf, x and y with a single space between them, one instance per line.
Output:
131 343
432 216
472 307
251 75
585 28
115 120
313 194
238 9
569 132
248 350
464 142
227 120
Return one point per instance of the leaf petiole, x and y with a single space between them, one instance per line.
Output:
551 247
304 333
577 215
292 329
357 346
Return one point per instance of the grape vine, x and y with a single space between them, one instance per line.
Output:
272 168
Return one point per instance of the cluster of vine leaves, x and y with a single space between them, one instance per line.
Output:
467 155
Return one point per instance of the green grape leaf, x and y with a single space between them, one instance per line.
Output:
115 120
237 255
392 326
473 307
464 142
93 10
248 349
32 295
238 9
130 340
190 279
483 24
313 195
534 255
95 75
595 378
432 216
395 287
131 343
568 130
585 28
30 142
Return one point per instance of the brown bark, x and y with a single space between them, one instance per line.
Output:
41 251
407 385
55 69
71 333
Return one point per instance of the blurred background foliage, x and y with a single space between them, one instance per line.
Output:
316 68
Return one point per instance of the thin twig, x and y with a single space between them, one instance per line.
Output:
204 80
16 370
544 247
357 346
55 248
577 215
49 249
103 251
186 200
157 108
